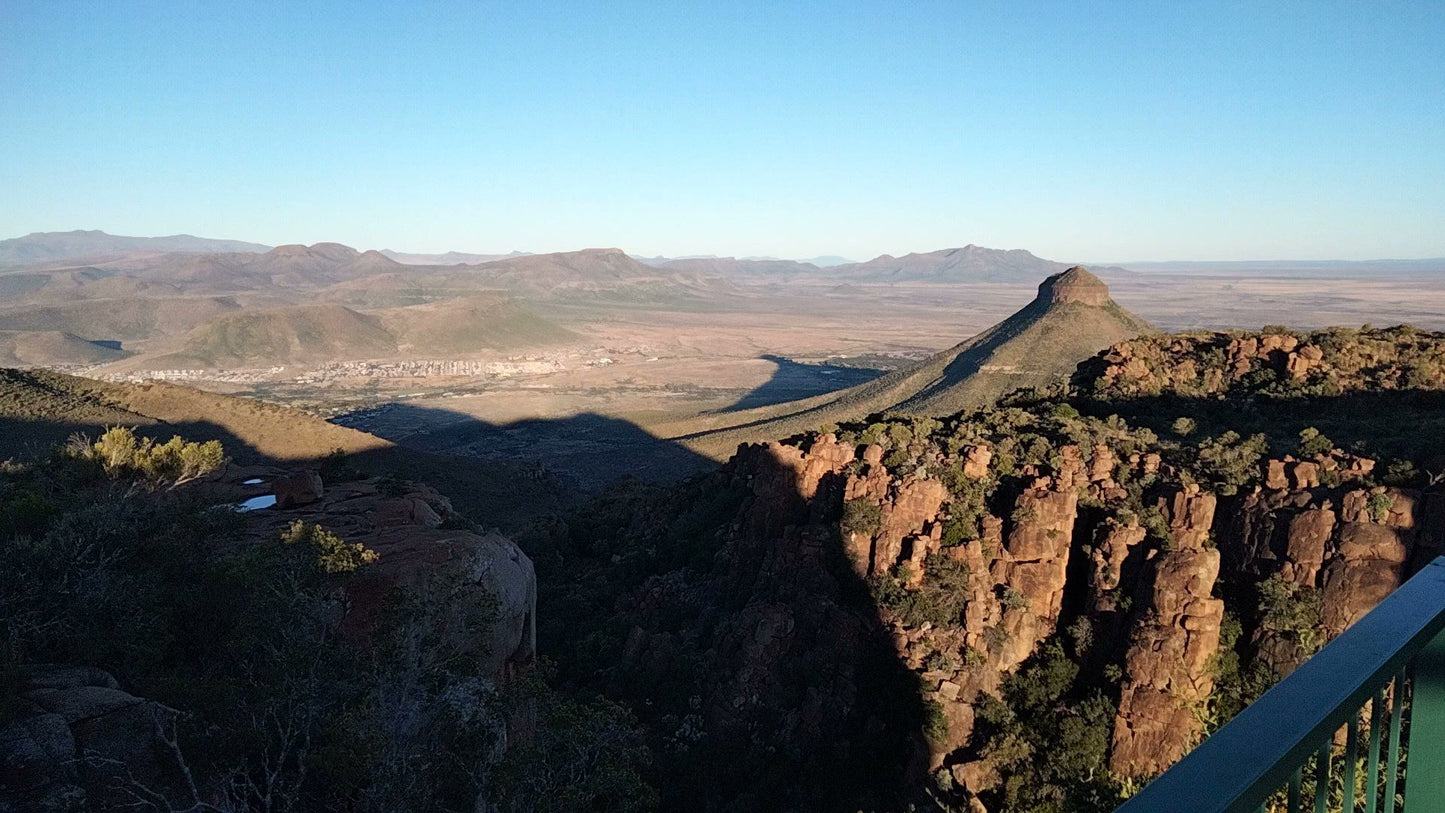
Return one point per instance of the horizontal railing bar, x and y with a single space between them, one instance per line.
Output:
1255 753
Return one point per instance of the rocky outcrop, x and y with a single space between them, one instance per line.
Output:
1376 534
1115 544
1167 666
1074 286
1213 363
76 741
425 551
1032 571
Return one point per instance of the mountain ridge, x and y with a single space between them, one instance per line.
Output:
40 246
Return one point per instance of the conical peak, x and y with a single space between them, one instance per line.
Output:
1075 285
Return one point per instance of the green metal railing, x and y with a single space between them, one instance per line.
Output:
1381 684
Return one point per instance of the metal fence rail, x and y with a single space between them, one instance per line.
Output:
1280 753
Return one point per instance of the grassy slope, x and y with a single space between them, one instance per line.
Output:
40 409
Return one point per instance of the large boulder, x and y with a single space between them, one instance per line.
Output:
301 488
486 578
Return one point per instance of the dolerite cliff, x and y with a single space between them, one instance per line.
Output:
1038 603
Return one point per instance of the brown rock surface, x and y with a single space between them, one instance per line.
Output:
1309 532
1110 552
1166 667
976 460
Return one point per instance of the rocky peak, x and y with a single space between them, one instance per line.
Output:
1076 286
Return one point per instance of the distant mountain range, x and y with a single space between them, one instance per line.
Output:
87 297
59 245
970 262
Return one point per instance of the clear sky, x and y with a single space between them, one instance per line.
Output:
1078 130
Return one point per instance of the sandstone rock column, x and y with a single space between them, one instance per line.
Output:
1167 667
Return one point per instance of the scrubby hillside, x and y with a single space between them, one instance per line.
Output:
119 319
1034 606
293 335
487 321
1276 362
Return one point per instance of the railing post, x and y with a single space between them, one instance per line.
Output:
1425 763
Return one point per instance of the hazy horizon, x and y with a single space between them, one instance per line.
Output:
831 257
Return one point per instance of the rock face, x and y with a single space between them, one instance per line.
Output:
1372 548
1076 286
78 742
1031 573
1167 666
1116 542
1033 568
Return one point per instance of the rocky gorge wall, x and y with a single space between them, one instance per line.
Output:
1031 606
1150 596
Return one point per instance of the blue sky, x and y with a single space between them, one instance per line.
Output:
1078 130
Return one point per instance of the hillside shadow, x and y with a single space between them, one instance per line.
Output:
739 632
794 380
725 602
504 493
590 451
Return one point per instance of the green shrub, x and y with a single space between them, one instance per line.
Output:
1291 608
1378 504
334 555
120 453
1230 460
861 517
1312 443
939 599
1400 473
1064 411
